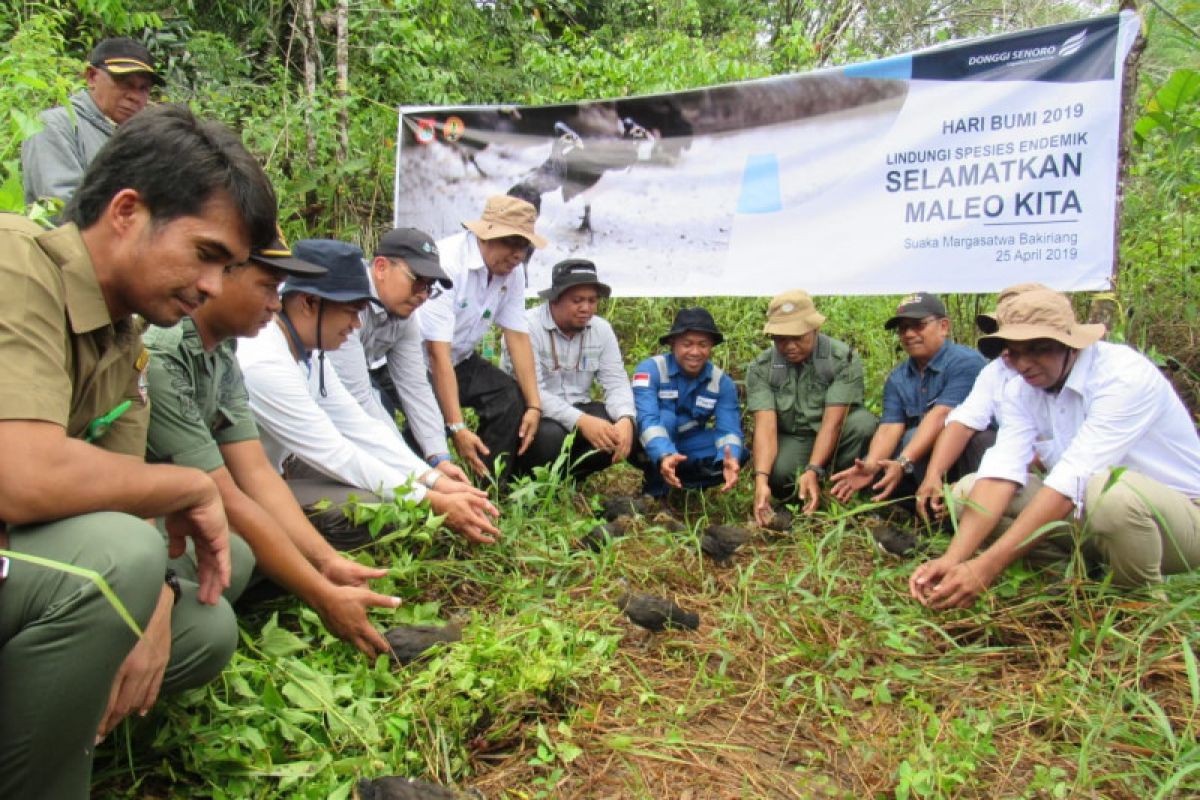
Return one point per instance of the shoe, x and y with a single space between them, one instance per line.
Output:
896 542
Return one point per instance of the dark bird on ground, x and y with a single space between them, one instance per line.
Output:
394 787
602 535
667 521
625 506
409 642
720 542
780 521
655 614
896 542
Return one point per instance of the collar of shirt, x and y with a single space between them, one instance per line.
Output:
1081 371
673 369
936 363
85 301
378 312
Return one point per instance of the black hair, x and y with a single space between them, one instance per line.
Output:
176 162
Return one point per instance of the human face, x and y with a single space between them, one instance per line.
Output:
249 299
692 350
167 270
574 308
796 349
118 96
503 255
401 291
1043 363
338 321
922 338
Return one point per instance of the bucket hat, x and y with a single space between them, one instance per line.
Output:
1038 314
506 216
693 319
792 313
573 272
345 279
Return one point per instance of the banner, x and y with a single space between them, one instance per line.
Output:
964 168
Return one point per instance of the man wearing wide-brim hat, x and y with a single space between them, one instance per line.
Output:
576 349
1121 454
979 412
806 394
688 418
485 262
119 75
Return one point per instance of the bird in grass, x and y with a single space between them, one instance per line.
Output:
781 521
720 542
656 614
395 787
667 521
409 642
598 537
624 505
896 542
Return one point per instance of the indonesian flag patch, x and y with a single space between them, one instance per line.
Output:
641 379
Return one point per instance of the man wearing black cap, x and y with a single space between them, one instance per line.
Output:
119 75
687 411
200 417
917 397
573 348
405 272
303 410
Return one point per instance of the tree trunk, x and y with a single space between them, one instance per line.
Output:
343 77
309 27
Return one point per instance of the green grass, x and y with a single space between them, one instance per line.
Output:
812 675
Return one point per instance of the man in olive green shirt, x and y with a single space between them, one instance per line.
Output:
806 394
200 417
73 485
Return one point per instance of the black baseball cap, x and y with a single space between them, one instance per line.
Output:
573 272
693 319
917 306
418 250
279 256
121 55
345 279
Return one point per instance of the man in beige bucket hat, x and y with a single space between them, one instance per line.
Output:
1121 453
485 263
806 394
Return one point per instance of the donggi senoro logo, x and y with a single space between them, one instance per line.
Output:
1023 55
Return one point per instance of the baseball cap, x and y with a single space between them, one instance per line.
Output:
279 255
418 250
121 55
916 306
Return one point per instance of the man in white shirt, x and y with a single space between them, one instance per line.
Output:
1120 450
573 348
303 410
484 262
405 272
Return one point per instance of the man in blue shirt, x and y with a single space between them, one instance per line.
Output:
687 411
917 397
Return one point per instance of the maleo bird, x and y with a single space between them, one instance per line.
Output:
720 542
656 614
395 787
409 642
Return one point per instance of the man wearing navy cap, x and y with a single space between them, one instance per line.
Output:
200 417
303 410
383 363
573 349
918 396
119 75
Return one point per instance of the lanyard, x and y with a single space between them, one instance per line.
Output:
554 350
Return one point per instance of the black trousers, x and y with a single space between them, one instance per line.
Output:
584 459
497 401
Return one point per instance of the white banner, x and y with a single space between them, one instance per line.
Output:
966 168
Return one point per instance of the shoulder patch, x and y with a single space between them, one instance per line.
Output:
641 379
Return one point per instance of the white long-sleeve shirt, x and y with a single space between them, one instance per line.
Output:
332 434
1115 410
983 404
387 338
463 314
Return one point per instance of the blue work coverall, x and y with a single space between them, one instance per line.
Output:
698 417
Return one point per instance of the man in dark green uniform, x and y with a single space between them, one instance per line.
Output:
806 394
200 417
73 485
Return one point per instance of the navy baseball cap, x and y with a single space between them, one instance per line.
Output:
121 55
419 251
345 279
917 306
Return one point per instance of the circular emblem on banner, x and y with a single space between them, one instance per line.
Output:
453 129
425 131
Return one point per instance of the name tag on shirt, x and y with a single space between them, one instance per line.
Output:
668 394
706 402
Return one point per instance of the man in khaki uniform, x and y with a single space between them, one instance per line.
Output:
201 418
73 486
806 394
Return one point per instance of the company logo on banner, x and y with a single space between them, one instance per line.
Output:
966 168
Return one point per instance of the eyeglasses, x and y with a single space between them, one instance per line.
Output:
914 325
428 286
1036 349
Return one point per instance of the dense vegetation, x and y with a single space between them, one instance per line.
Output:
812 675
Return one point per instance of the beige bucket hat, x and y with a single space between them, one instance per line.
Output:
986 321
792 314
1038 314
506 216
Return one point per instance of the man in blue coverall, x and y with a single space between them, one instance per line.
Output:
687 411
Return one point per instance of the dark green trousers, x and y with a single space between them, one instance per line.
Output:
795 450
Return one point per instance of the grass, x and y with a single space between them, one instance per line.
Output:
813 675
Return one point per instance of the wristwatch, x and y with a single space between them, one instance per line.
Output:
817 468
172 581
905 464
455 427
